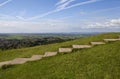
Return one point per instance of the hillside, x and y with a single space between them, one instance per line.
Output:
98 62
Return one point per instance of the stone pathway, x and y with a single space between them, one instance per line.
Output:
48 54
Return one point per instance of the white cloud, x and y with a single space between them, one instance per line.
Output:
60 25
113 23
4 3
43 26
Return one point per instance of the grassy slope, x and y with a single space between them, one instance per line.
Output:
99 62
27 52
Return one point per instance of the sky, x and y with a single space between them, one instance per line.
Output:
56 16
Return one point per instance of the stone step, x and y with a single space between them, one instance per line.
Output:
110 40
19 61
97 43
48 54
35 57
65 50
4 63
81 46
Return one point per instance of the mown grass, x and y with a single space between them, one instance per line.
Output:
99 62
27 52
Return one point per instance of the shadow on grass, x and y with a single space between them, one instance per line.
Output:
4 67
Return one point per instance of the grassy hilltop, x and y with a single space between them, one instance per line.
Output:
99 62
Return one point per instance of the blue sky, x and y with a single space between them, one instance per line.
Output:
44 16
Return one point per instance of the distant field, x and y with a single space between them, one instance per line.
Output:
42 35
99 62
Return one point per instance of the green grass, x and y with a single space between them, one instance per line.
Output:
99 62
13 37
28 52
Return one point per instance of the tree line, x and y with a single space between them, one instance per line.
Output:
28 42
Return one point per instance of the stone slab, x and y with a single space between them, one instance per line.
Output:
48 54
81 46
97 43
19 61
110 40
35 57
4 63
65 50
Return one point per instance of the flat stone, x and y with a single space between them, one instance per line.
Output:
35 57
19 61
108 40
4 63
97 43
81 46
48 54
64 50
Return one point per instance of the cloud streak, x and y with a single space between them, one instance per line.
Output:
4 3
65 4
63 8
61 2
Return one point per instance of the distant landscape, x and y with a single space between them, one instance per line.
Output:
13 40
